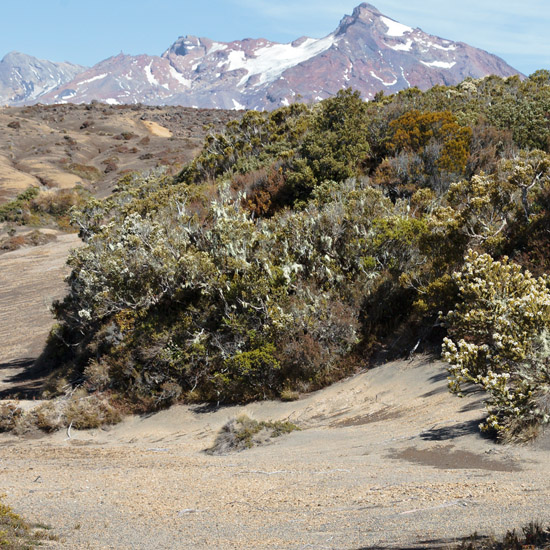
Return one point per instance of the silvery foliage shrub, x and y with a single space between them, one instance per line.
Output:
500 339
242 284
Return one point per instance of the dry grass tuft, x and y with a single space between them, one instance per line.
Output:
244 433
79 410
532 537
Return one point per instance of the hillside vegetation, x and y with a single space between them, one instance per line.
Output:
300 242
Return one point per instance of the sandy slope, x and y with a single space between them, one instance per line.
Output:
386 458
30 279
156 129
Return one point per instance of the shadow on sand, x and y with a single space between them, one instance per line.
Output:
26 381
429 544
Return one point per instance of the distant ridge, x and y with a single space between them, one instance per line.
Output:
368 51
25 79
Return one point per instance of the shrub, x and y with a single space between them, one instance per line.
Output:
244 433
90 173
222 307
18 534
78 409
533 535
34 238
14 211
500 340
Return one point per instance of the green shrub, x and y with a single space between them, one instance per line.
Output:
84 171
18 534
14 211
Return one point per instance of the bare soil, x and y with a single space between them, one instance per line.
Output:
53 142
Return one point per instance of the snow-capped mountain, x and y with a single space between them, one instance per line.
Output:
25 79
368 51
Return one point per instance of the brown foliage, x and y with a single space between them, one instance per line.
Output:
264 189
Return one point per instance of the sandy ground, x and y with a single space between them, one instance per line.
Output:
12 180
31 279
157 129
387 458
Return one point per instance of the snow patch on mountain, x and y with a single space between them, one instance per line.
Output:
382 80
93 79
395 28
179 77
271 61
217 47
439 64
150 77
402 47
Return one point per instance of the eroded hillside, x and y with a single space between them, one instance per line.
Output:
61 146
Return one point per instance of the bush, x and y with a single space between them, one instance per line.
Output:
222 307
78 409
86 172
18 534
14 211
500 340
533 535
244 433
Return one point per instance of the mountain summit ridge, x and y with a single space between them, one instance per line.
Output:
367 51
25 79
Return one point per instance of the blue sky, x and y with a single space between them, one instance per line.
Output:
87 32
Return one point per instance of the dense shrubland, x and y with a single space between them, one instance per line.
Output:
300 242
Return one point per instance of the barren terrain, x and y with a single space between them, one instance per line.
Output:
60 146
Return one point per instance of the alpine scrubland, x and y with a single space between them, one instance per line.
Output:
301 243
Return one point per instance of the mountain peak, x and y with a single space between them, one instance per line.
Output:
14 55
25 79
369 52
365 11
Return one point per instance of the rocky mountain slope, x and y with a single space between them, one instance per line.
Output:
25 79
368 51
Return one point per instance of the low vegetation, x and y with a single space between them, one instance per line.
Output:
39 208
17 534
532 536
295 245
244 433
76 410
13 241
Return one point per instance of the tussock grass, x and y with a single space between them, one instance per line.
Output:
80 411
533 536
244 432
